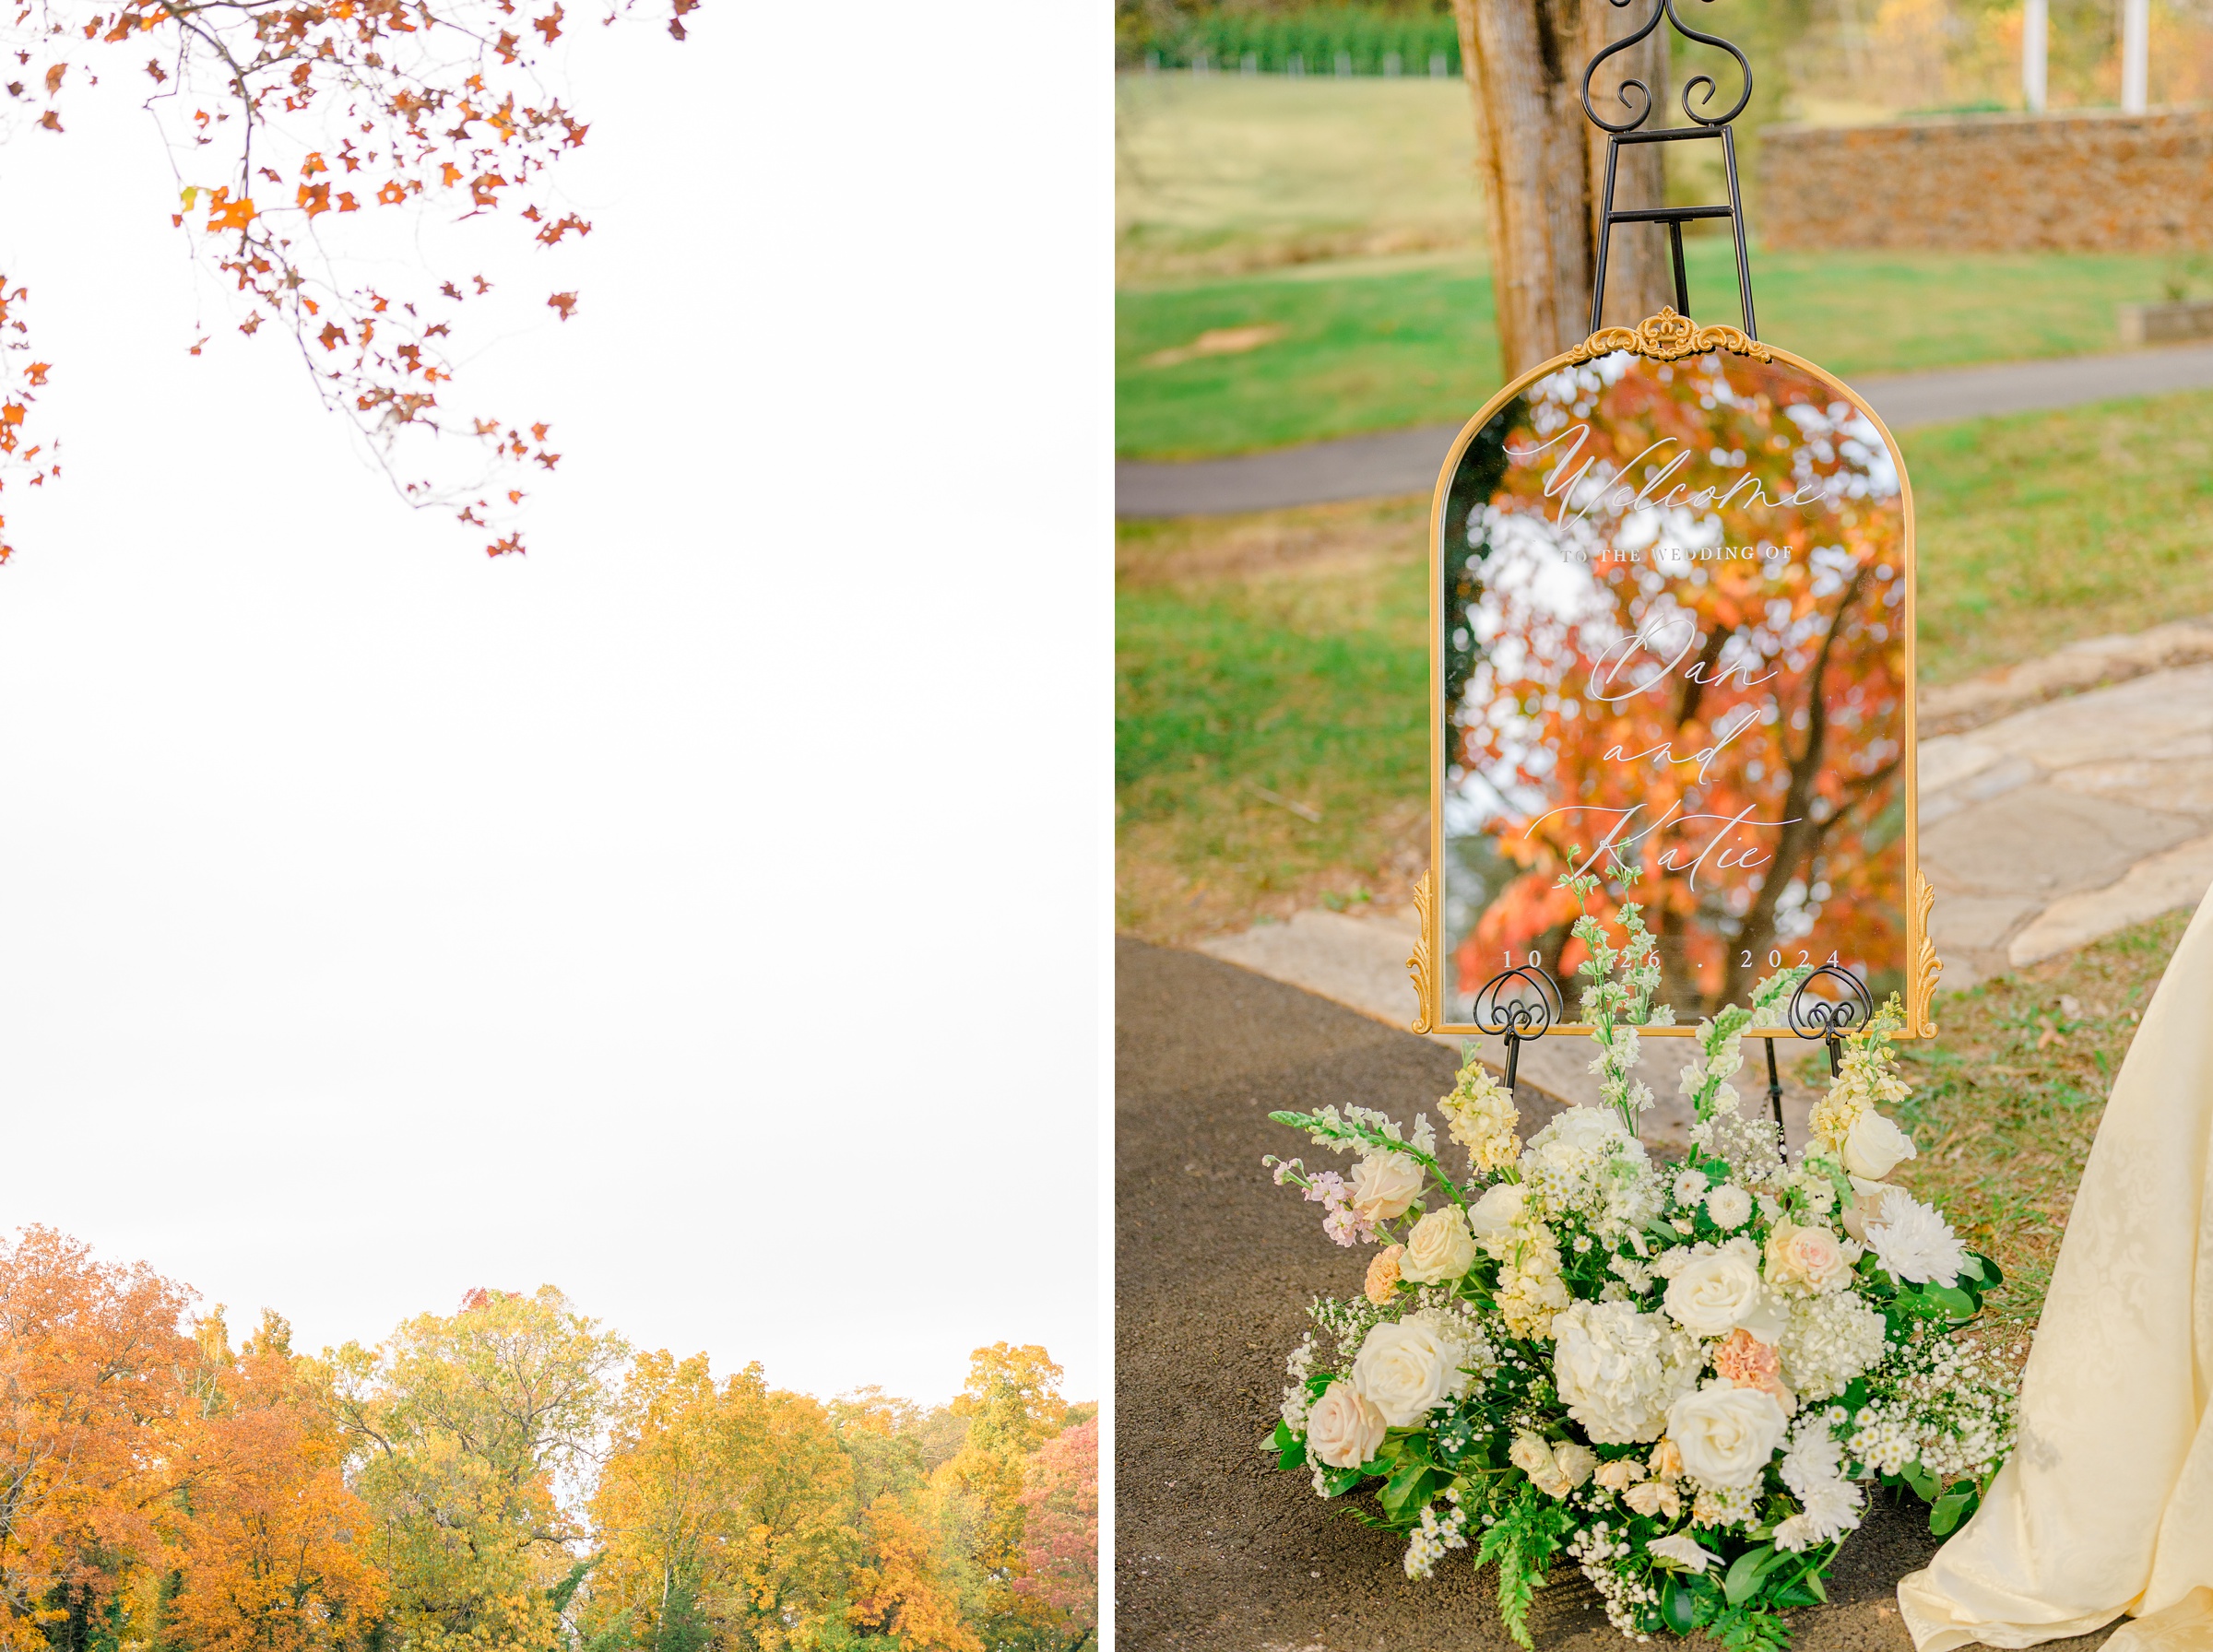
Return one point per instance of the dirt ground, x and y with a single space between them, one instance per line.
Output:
1214 1548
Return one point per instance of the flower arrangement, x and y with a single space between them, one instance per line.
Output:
1683 1376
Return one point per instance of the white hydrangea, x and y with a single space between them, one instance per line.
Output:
1826 1341
1617 1370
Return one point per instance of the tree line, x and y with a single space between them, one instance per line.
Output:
512 1475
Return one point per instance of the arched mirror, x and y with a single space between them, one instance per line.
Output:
1672 622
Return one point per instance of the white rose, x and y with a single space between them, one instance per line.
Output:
1530 1454
1438 1249
1729 1206
1617 1370
1406 1371
1874 1147
1384 1184
1496 1215
1716 1293
1344 1429
1727 1437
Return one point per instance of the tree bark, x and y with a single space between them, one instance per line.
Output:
1541 167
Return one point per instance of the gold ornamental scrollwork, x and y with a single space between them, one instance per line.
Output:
1927 966
1669 338
1418 962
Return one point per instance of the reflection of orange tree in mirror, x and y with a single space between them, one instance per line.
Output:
1675 630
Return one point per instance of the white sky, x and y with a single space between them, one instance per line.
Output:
706 914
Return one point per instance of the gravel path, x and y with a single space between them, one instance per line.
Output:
1406 461
1214 1548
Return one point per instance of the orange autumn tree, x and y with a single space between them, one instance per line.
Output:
302 136
92 1371
1714 686
269 1549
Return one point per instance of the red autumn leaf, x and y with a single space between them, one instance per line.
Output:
565 302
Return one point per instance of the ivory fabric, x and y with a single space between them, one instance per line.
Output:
2106 1505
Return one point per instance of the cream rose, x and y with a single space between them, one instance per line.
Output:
1438 1249
1716 1293
1531 1455
1554 1470
1617 1476
1727 1437
1874 1147
1344 1429
1813 1258
1655 1497
1385 1185
1496 1215
1406 1371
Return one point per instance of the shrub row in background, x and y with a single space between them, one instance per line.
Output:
1347 40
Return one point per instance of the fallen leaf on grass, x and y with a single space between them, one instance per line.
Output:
1215 341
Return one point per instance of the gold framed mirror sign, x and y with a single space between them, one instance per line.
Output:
1672 628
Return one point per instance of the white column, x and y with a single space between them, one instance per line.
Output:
2036 30
2136 54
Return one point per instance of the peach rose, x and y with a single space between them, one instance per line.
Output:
1810 1256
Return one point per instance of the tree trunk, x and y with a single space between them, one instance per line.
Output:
1542 167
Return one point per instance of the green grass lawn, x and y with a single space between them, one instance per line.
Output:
2007 1098
1366 350
1286 653
1228 173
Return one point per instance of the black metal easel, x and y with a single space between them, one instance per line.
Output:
1522 1003
1701 127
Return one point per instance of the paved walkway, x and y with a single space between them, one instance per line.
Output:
1213 1266
2052 813
1407 461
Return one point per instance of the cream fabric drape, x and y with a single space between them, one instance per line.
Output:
2106 1506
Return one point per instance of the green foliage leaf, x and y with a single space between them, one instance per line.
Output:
1678 1605
1744 1576
1290 1450
1521 1541
1948 1510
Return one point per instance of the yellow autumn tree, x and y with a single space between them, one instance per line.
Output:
269 1547
465 1429
906 1586
1012 1404
725 1514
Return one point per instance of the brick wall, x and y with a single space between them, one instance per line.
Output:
2093 181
